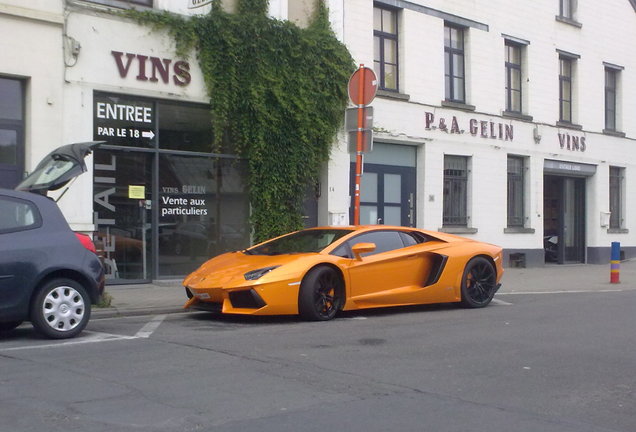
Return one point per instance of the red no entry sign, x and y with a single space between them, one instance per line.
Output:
363 85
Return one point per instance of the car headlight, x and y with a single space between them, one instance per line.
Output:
257 274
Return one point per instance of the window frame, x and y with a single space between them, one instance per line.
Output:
566 9
455 204
510 67
611 89
379 60
566 79
449 53
125 4
516 186
616 186
16 125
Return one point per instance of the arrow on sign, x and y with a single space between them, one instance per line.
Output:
148 134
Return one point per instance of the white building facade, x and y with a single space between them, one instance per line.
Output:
511 124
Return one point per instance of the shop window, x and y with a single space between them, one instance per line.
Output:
203 210
455 191
11 132
164 202
516 214
616 178
185 127
385 35
454 70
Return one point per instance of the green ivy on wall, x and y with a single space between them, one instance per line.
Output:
277 95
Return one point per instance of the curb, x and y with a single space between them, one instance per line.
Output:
114 312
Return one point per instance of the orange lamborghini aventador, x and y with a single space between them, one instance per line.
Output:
319 271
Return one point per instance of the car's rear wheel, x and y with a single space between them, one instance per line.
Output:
61 309
321 294
479 283
7 326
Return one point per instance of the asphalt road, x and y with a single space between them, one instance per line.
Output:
529 362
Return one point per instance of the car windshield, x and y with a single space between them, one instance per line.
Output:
48 173
306 241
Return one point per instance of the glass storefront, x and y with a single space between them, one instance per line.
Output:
163 203
202 210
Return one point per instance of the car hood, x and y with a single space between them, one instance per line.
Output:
228 270
58 168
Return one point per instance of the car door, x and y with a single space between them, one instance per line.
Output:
391 274
19 220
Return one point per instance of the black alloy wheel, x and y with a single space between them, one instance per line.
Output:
479 283
321 294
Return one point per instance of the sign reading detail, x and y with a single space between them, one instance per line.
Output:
481 128
153 69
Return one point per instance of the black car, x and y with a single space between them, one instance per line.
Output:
49 275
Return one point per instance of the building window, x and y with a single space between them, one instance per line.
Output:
566 9
11 132
513 77
616 178
455 191
454 76
124 4
385 35
565 89
611 79
516 166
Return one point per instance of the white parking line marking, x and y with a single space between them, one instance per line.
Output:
501 302
561 292
149 328
95 337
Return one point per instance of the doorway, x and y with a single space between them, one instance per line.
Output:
387 187
564 219
387 195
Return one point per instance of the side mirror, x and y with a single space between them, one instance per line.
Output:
359 248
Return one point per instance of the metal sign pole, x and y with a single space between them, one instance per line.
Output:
359 102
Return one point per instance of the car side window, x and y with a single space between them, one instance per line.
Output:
411 238
384 241
343 251
17 215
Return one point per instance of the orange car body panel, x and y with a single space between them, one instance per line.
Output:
394 278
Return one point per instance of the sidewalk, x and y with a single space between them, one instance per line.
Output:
163 297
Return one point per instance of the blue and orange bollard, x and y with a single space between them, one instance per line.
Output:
615 263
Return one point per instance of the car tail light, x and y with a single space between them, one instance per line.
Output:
86 242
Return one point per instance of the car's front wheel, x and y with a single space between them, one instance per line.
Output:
321 294
61 309
479 283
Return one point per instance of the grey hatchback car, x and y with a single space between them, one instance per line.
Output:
49 275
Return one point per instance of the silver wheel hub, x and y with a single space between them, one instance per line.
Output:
63 308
